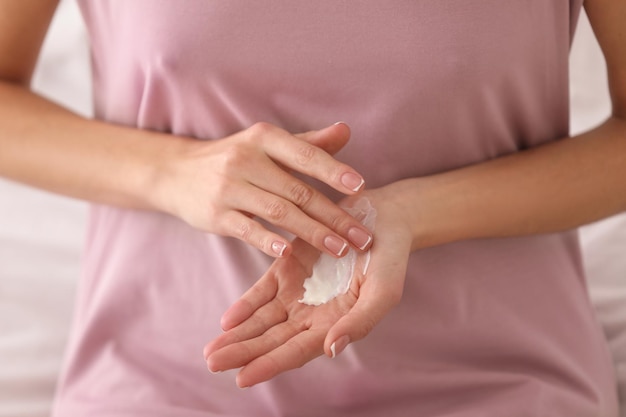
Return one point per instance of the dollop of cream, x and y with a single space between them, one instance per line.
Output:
332 277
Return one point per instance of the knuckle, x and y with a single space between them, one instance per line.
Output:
206 220
301 194
261 128
274 366
232 158
276 210
338 221
305 154
243 231
314 235
299 348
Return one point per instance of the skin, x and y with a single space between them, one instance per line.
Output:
552 188
268 331
218 186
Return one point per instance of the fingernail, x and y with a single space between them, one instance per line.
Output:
335 245
212 371
339 123
352 181
241 386
279 248
359 237
339 345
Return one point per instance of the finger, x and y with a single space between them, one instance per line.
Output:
308 159
268 317
354 326
252 300
317 206
242 353
380 292
285 215
331 139
258 323
242 227
294 353
265 290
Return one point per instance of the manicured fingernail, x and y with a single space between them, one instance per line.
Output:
352 181
279 248
335 245
339 345
211 370
359 237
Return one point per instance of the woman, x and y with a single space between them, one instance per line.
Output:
454 114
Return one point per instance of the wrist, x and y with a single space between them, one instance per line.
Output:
122 166
426 207
166 163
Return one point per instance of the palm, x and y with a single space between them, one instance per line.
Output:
268 331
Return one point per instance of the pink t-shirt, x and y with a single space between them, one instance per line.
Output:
493 327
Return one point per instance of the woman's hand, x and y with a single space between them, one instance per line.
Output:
220 186
268 331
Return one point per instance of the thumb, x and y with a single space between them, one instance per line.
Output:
379 292
372 305
331 139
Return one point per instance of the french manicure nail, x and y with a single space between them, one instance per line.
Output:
279 248
339 345
352 181
211 370
359 237
335 245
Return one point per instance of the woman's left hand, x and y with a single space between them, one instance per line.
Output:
268 331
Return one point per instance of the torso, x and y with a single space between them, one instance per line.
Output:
486 328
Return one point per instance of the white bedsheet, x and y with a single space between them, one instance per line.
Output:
41 234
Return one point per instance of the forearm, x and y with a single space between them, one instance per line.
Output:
217 186
547 189
46 146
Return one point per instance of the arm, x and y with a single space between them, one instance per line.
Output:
551 188
547 189
217 186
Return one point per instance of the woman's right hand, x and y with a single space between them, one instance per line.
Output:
218 186
221 186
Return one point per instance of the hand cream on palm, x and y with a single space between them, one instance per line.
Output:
332 277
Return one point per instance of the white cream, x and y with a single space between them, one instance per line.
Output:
332 277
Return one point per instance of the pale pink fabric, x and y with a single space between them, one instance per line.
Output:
499 327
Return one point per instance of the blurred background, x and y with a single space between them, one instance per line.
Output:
41 234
